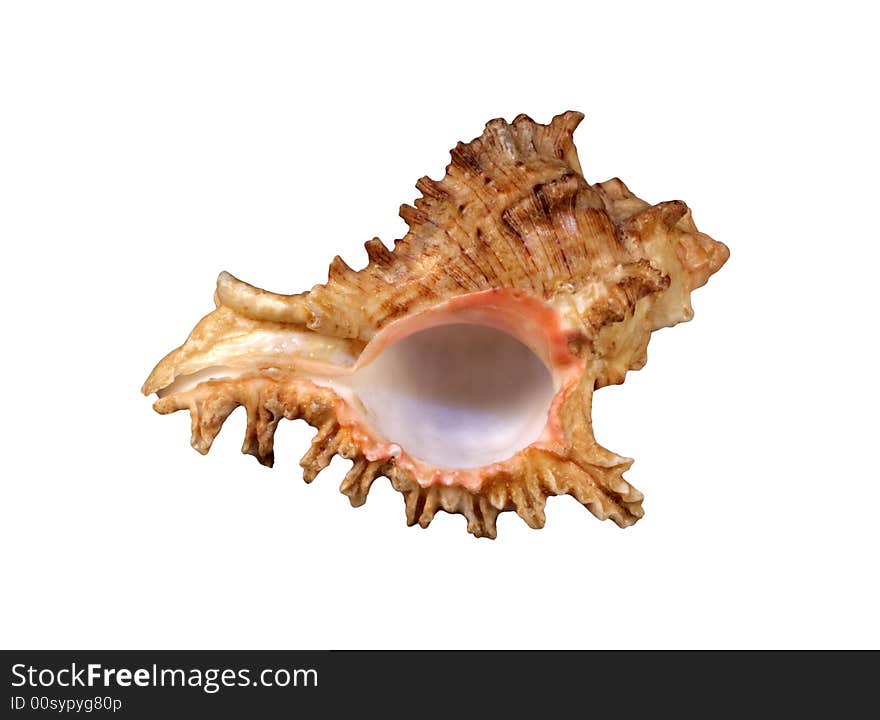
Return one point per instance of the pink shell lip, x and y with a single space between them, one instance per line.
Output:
527 318
520 314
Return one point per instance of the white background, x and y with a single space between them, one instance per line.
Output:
146 146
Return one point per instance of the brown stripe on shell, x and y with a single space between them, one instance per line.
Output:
508 214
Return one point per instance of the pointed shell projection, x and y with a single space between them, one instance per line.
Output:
512 240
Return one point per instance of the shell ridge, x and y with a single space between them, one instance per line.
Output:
482 163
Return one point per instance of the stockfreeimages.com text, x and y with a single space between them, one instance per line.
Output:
210 680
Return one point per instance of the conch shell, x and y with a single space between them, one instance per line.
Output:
512 238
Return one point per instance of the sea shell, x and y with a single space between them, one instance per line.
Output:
512 239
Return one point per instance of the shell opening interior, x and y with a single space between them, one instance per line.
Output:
457 395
